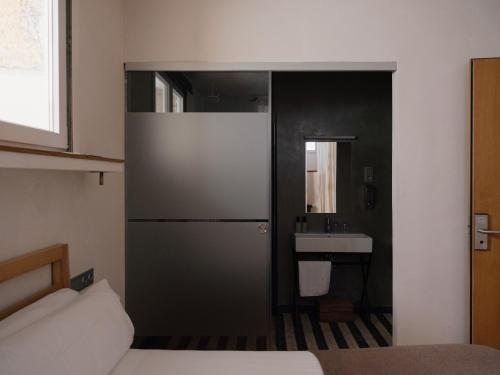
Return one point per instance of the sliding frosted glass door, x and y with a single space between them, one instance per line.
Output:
197 191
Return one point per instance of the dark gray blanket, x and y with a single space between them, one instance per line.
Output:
412 360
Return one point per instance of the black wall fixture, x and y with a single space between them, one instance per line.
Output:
329 104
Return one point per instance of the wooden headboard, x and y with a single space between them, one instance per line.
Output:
56 256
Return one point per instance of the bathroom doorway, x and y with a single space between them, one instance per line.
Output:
332 174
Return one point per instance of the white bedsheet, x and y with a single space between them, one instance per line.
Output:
186 362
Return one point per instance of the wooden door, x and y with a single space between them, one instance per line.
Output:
486 200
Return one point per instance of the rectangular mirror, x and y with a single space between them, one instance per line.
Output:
327 176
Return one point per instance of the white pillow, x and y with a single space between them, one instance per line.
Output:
37 310
88 336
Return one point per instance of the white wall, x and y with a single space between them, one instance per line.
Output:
432 42
41 208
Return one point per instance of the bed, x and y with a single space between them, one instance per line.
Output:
60 331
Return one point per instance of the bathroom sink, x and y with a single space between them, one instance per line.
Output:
333 243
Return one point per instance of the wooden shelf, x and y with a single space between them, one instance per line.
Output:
27 158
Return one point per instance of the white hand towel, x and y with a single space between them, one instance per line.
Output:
314 278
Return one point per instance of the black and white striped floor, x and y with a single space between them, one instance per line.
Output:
303 333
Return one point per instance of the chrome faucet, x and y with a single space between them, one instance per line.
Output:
328 225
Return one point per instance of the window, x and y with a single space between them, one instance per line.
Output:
177 101
162 94
33 72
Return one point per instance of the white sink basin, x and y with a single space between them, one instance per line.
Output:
333 243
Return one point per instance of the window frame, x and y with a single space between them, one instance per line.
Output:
172 87
166 90
20 134
177 93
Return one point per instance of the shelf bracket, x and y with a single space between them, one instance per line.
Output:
101 177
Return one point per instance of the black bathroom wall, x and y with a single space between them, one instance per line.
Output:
335 104
140 91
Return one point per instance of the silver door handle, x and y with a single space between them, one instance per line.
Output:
484 231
